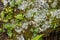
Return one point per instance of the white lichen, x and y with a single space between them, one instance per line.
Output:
25 25
20 37
24 5
5 2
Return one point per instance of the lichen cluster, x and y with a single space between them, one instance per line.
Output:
26 19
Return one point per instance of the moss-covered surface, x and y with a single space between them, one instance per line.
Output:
29 19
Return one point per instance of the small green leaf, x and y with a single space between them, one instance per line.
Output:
18 2
5 20
8 17
1 30
9 26
2 14
38 37
12 4
19 16
0 19
36 30
9 33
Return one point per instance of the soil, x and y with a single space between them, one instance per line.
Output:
52 35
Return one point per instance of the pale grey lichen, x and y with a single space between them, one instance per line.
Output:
20 37
24 5
54 4
25 25
18 30
56 13
45 26
30 13
41 4
5 2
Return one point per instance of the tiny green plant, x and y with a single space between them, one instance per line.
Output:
7 14
38 37
9 28
18 2
1 30
19 16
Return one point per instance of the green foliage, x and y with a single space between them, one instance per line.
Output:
12 4
9 28
9 33
2 14
18 2
7 14
38 37
15 2
54 23
19 16
35 31
1 30
8 10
